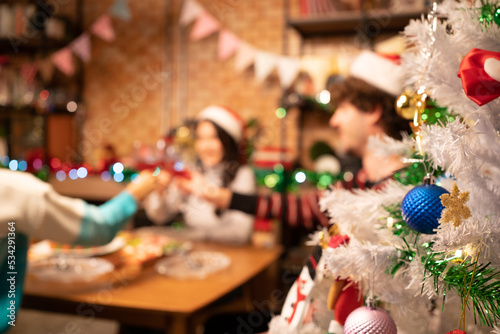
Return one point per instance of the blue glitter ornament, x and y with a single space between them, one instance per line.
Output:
421 208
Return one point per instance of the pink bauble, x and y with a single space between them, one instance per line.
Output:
365 320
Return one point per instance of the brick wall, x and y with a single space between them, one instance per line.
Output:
152 77
123 104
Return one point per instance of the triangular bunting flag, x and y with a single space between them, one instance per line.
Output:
121 10
102 27
288 69
81 46
265 62
245 57
63 59
319 68
190 11
28 72
228 44
46 69
204 26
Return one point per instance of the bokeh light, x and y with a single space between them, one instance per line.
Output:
82 172
44 95
106 176
300 177
280 113
73 174
60 175
118 167
13 164
278 168
37 164
323 97
271 180
118 177
72 106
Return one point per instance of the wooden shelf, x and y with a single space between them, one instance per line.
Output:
342 23
38 44
9 111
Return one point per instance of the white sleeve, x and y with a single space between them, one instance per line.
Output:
37 209
244 182
233 227
40 212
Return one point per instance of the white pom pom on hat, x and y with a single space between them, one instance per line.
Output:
226 119
378 71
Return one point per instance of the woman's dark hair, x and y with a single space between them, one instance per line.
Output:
231 157
366 98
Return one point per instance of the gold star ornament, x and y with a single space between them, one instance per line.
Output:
456 211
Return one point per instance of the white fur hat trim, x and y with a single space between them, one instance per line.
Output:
378 72
224 118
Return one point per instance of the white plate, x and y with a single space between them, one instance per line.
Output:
68 270
46 248
197 265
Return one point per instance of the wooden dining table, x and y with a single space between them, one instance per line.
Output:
149 299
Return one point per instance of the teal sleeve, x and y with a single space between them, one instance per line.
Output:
101 223
13 269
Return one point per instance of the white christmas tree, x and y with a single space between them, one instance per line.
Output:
434 283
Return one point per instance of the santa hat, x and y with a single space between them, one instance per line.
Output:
379 72
226 119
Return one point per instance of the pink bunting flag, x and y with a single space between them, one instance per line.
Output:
228 44
81 47
103 28
190 11
28 72
204 26
63 59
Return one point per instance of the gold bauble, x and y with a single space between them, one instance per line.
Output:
405 105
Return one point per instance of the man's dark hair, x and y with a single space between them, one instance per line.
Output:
366 98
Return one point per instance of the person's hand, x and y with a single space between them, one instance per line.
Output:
197 186
220 197
146 183
163 180
190 185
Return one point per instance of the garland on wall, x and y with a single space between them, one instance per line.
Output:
288 68
81 46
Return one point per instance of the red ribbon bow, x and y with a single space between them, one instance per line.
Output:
480 74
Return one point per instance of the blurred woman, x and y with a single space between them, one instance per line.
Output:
219 133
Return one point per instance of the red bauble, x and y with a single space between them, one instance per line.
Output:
349 300
456 331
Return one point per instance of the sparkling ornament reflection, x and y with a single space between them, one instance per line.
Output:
366 320
405 106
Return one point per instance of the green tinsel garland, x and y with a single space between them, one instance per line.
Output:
449 273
